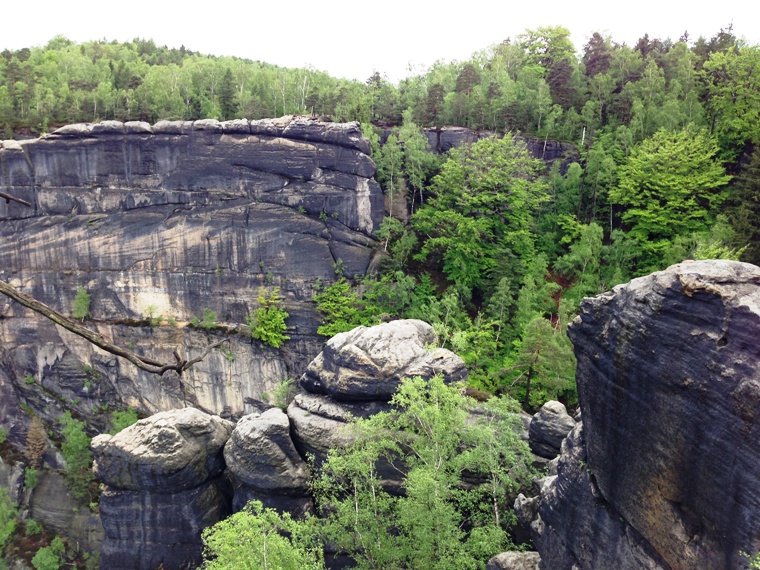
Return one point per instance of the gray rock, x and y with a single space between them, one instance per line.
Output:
145 530
368 363
167 452
515 561
263 462
318 424
548 428
665 470
51 504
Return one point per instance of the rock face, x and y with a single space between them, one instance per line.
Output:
444 139
665 470
368 363
164 484
169 220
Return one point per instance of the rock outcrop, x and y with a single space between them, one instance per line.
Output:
548 427
263 464
368 363
164 484
664 471
445 138
171 220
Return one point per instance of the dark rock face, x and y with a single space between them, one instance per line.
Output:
172 219
666 467
146 530
444 139
163 485
368 363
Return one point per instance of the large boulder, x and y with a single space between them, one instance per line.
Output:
665 472
368 363
167 452
263 463
548 427
515 561
319 422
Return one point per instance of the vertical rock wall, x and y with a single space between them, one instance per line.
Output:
172 219
666 467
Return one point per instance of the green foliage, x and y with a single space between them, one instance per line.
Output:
33 528
267 322
8 515
485 198
153 319
257 538
81 304
208 321
31 478
670 186
284 392
121 419
77 455
339 306
49 557
431 438
29 379
3 435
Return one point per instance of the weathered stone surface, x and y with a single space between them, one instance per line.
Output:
51 504
167 452
263 462
368 363
574 528
548 428
145 530
174 219
515 561
665 472
317 422
445 138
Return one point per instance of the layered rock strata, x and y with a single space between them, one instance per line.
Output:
164 484
664 471
159 224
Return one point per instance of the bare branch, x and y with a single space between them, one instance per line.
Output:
8 198
142 362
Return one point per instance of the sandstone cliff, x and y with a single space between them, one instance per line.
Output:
172 219
664 471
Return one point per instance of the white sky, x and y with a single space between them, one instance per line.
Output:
350 38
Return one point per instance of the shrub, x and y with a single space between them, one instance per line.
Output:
7 517
121 419
77 455
267 323
31 478
81 304
33 527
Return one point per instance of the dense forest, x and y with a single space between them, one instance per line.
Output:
486 243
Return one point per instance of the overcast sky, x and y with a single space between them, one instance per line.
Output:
349 38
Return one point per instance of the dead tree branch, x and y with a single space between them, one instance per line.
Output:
142 362
8 198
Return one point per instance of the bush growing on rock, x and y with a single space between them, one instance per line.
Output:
267 323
